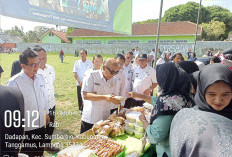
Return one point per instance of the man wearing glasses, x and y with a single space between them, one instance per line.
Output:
33 88
99 89
144 79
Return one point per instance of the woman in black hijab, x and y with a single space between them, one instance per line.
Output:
214 59
207 131
191 68
214 90
175 95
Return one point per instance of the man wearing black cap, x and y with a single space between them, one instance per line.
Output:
144 79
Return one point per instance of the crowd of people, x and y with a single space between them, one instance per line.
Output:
192 110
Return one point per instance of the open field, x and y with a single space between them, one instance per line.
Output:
67 115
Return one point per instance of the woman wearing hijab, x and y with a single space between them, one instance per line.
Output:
164 58
214 59
206 131
175 96
177 58
191 68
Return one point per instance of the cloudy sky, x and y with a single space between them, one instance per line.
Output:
142 10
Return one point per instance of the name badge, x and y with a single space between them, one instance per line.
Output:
97 84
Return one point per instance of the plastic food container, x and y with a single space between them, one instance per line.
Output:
131 116
129 131
129 125
138 122
139 129
139 135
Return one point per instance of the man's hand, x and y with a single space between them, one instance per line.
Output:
142 117
133 94
112 99
80 83
47 119
147 92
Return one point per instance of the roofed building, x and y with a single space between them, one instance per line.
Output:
52 36
170 32
8 43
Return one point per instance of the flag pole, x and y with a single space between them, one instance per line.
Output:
158 33
198 17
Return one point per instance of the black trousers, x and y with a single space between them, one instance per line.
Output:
80 102
34 146
50 127
85 126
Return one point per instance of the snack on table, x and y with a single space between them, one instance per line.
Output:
103 147
76 151
129 125
138 134
117 129
139 122
138 109
139 129
112 127
131 116
129 131
87 153
117 119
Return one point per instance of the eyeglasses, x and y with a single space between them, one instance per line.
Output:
34 65
112 72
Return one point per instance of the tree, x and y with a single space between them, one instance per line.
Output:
147 21
218 13
214 30
185 12
31 37
69 30
15 31
189 11
40 30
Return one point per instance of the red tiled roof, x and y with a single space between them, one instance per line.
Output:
167 28
61 35
88 32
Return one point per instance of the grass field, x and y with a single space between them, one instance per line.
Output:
67 116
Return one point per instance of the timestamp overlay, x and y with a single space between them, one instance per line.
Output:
31 122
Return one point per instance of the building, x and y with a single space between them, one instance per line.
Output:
170 32
229 37
8 43
52 36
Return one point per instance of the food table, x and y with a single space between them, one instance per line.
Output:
107 138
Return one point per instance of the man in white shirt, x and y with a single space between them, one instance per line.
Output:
49 75
153 54
136 51
33 88
120 88
79 69
97 62
128 72
99 89
144 79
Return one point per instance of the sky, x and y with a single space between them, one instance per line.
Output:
141 11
